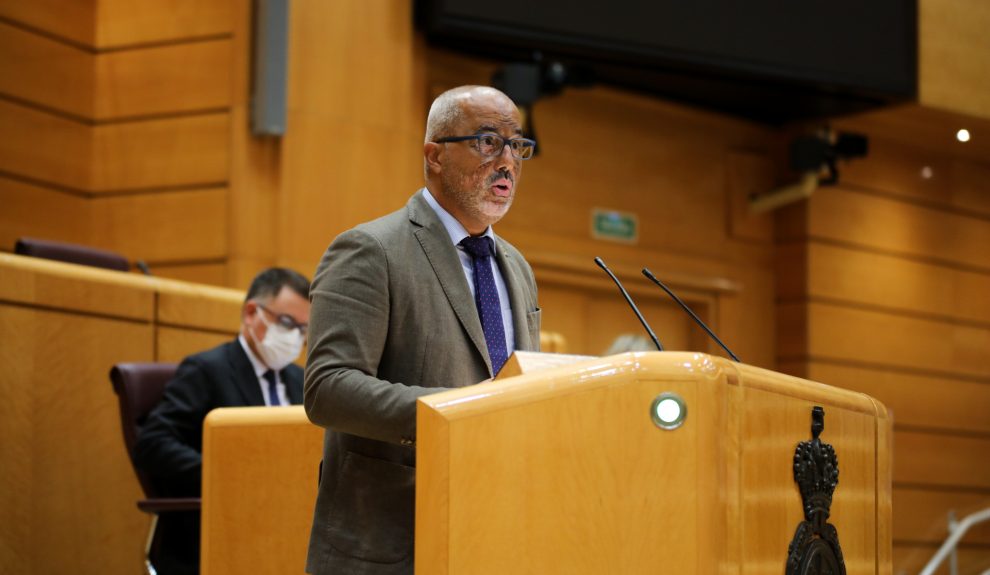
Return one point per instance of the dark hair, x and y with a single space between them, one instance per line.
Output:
270 281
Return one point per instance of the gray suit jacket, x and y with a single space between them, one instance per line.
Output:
392 319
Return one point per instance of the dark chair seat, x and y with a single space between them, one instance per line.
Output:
71 253
139 388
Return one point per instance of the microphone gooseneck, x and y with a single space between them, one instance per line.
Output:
629 300
653 278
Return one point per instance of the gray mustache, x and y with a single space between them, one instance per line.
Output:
499 175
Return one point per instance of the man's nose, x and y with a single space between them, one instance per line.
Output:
506 160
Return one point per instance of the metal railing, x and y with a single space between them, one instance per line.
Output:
956 532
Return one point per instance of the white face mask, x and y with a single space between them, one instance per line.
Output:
280 346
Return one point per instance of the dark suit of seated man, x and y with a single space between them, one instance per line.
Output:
253 369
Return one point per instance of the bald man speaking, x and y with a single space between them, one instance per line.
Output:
424 299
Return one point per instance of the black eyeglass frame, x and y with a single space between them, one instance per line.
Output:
526 144
285 320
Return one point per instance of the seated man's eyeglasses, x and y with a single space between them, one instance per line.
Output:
491 145
286 320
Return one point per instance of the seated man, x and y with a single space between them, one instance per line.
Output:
254 369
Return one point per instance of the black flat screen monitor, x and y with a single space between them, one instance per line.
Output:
771 60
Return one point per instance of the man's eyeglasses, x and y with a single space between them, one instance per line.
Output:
286 320
491 145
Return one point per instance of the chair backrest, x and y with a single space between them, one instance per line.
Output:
139 388
71 253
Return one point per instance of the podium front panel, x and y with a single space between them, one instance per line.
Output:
565 471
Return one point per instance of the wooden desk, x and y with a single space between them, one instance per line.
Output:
260 473
67 490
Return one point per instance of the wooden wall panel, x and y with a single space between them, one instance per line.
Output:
38 282
897 167
67 477
969 186
338 140
120 22
198 306
73 20
922 515
163 80
743 317
894 283
340 191
954 55
45 72
171 152
43 147
36 211
207 273
174 344
591 319
897 227
17 540
165 226
662 153
882 284
77 468
152 154
882 339
381 87
942 460
255 180
915 401
748 174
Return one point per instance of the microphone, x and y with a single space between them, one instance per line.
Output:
697 319
629 300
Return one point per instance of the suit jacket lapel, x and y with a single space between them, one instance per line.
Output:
242 375
517 298
436 244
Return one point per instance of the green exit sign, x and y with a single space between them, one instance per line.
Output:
614 226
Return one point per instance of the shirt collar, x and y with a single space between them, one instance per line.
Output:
454 228
259 366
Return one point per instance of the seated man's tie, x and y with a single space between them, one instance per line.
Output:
272 389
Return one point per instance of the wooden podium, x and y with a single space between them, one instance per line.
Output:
568 470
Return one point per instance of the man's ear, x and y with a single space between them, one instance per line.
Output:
432 153
248 310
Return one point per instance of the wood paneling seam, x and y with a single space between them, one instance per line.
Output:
941 488
187 327
71 311
916 201
95 50
160 116
896 311
46 109
163 43
46 34
902 255
893 368
51 186
969 433
111 121
188 262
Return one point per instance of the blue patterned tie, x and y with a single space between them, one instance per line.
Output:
272 390
486 297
